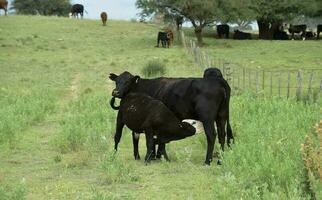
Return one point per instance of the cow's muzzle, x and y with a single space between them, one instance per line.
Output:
116 93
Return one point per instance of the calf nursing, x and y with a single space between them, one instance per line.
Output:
141 113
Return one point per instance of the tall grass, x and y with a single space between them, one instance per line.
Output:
265 161
154 68
19 110
85 124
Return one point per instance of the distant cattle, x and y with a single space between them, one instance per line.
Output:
280 35
166 38
141 113
77 9
104 18
308 35
204 99
239 35
4 6
318 30
223 29
299 29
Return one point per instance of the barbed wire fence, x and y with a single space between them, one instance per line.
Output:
303 84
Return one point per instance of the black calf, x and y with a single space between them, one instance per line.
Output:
142 113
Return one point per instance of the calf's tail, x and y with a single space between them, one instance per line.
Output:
112 101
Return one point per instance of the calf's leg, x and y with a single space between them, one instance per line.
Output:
149 146
135 139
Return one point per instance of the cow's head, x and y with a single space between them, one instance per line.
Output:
123 83
212 72
187 128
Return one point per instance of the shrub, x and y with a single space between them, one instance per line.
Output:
312 157
154 68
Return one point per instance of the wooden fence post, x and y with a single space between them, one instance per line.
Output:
271 84
244 78
299 85
249 79
288 85
279 85
263 81
257 82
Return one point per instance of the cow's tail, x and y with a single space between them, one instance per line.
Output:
112 101
85 11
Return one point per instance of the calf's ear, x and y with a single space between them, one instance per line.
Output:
113 76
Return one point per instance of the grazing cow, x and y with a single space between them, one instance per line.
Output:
299 29
239 35
280 35
142 113
77 9
188 98
318 30
223 29
164 37
4 6
104 18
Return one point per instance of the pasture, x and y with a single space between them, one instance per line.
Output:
56 126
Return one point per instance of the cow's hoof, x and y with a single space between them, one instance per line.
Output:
137 157
207 163
219 162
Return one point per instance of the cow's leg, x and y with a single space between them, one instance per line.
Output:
221 132
162 151
211 137
135 139
149 145
119 128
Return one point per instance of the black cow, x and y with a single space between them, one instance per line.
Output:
215 73
77 9
239 35
4 6
308 35
188 98
299 29
318 30
223 29
142 113
280 35
164 37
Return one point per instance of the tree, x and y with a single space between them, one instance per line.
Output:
42 7
270 14
199 13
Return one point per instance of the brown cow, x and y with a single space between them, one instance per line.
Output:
4 6
104 18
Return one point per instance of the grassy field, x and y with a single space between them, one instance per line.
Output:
56 126
266 54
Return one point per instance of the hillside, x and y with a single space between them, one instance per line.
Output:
56 127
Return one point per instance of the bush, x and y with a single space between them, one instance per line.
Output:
154 68
312 157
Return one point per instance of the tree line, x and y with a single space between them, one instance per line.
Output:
269 14
42 7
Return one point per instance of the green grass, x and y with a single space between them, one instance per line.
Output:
265 54
56 125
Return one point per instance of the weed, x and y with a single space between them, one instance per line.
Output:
154 68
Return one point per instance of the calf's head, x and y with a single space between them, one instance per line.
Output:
123 83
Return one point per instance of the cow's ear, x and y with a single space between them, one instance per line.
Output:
113 76
136 79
